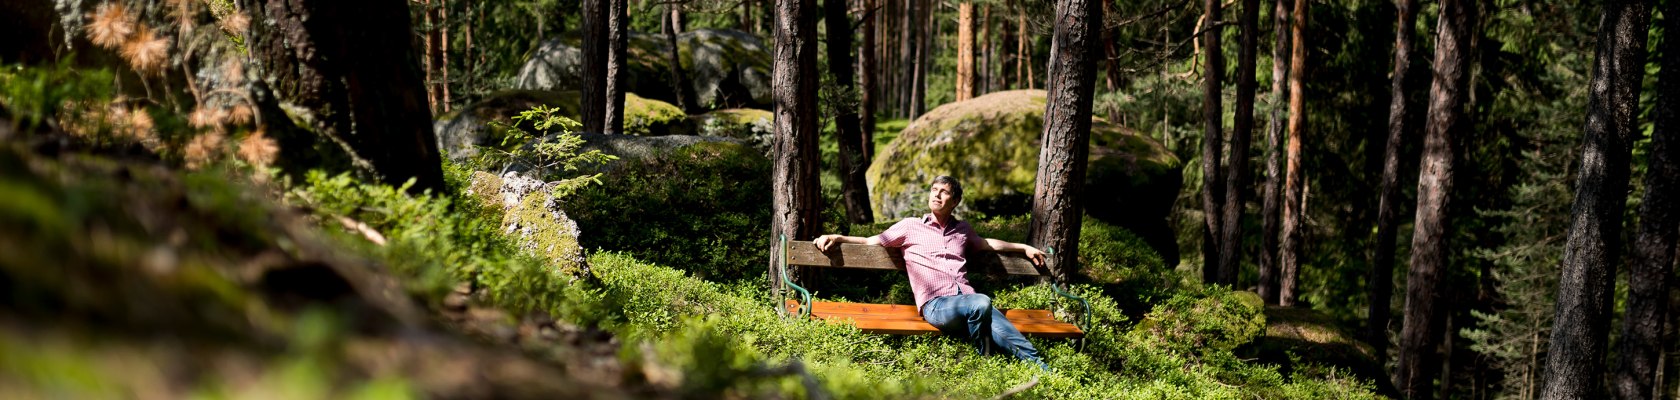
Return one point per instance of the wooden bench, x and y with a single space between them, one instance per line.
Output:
899 319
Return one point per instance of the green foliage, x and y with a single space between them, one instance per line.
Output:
701 207
1214 320
557 150
34 96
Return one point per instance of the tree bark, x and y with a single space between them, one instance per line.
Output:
1213 119
680 84
847 130
1290 248
618 22
1381 280
1421 332
866 79
793 84
1269 204
965 51
924 50
1649 275
907 59
369 100
1580 331
1242 129
984 73
592 104
434 55
1057 199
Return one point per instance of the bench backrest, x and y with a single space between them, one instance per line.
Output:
805 253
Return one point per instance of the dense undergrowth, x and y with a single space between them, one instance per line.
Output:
724 339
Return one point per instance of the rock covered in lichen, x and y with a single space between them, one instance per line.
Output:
464 132
532 215
726 68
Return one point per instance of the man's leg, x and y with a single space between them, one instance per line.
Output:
966 316
1008 338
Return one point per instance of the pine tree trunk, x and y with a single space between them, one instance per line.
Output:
680 84
1290 246
1650 276
443 53
846 124
1381 280
1057 201
592 105
371 101
907 58
434 55
984 73
1269 204
618 36
965 51
924 51
793 84
1580 332
1421 332
1213 119
1242 129
866 78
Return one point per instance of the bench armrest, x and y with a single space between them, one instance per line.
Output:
804 295
1084 306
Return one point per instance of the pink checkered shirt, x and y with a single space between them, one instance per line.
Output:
933 255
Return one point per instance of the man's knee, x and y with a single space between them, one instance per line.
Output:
977 303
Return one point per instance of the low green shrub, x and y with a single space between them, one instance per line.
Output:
703 208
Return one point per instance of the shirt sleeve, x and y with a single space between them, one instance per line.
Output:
974 241
894 236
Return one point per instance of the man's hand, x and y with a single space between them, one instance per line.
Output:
825 241
1036 256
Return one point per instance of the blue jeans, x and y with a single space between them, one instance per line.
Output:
971 316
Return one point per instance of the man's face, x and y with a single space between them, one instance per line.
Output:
941 200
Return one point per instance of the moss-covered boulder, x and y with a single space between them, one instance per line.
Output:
462 131
695 203
753 125
991 144
1305 339
726 68
533 215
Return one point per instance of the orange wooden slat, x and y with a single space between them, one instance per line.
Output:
904 320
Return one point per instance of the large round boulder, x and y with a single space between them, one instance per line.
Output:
461 132
726 68
752 125
991 144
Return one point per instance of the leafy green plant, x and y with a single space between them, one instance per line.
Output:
542 151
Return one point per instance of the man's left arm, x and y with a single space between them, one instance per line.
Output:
1032 253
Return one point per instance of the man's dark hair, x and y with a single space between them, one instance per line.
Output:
956 188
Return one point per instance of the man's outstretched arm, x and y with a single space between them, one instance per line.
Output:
825 242
1032 253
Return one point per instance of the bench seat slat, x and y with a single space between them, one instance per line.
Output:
904 320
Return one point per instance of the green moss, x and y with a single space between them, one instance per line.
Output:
546 234
647 117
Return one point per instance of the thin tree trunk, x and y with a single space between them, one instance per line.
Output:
618 21
847 129
443 53
1026 51
1575 364
1269 204
1057 199
369 100
866 79
1381 280
907 59
597 33
1293 193
434 55
1242 130
1213 119
965 51
793 84
984 72
924 55
680 84
1421 332
1650 280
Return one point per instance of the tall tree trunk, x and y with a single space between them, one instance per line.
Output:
1381 280
1269 205
1242 128
1057 199
369 100
434 54
1421 332
866 78
846 124
597 33
984 73
924 55
618 22
793 84
680 84
1649 275
443 59
1290 248
1213 120
965 51
1026 58
907 58
1580 332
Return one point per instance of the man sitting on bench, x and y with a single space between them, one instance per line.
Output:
934 247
